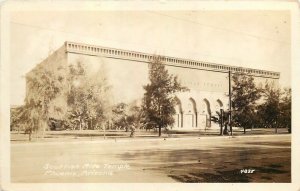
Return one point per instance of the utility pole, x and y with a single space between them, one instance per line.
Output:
230 124
221 121
104 131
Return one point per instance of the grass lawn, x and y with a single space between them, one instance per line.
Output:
76 135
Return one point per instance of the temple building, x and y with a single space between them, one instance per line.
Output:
127 72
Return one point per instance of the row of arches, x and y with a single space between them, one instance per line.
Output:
191 114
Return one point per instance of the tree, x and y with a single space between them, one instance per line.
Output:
56 92
88 97
159 101
269 110
28 117
285 109
44 83
244 97
119 117
135 116
14 125
126 115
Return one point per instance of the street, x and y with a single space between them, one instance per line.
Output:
193 159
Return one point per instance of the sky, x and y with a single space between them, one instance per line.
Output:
256 39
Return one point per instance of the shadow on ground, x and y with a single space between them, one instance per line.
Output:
220 164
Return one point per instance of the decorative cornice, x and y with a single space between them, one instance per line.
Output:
79 48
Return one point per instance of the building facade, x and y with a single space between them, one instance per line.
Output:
127 72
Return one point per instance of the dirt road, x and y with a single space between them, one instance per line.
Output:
211 159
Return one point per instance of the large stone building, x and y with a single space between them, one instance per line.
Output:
127 72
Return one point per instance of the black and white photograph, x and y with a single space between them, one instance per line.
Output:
100 93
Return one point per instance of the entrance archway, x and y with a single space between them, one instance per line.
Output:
178 114
190 115
207 112
219 105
